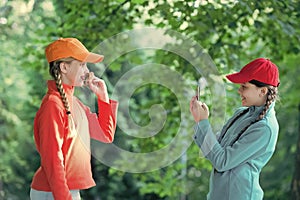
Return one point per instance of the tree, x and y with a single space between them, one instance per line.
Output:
232 32
296 177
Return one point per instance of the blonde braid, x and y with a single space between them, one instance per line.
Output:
54 70
55 73
61 89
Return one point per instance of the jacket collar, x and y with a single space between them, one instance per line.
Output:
258 109
69 90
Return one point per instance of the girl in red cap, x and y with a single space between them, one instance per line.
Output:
247 141
63 125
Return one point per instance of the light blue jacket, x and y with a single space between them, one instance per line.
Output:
238 165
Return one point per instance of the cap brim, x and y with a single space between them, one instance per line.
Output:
93 58
237 78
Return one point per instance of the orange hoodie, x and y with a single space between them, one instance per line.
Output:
65 157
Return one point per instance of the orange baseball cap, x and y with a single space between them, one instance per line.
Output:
70 47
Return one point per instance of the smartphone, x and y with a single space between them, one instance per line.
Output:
198 91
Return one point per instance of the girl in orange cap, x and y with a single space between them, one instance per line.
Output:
63 125
247 141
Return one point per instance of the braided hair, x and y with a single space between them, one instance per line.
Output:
55 72
238 116
272 95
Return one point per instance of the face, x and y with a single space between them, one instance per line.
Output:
73 73
252 95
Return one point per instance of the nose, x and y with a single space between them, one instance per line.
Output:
86 69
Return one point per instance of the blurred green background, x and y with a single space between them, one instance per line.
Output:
232 32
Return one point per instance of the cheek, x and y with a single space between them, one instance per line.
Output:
76 71
74 75
253 96
247 94
257 93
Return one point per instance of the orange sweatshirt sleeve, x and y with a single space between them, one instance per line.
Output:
51 132
103 126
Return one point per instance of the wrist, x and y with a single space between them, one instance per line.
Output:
103 96
104 99
200 119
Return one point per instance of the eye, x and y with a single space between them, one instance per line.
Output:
243 87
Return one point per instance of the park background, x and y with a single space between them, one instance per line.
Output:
232 32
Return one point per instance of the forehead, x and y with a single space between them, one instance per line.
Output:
247 84
77 62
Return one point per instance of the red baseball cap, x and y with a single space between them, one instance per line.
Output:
70 47
260 69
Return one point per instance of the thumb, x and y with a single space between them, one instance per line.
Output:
204 106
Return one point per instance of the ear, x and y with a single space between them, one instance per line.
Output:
263 91
63 67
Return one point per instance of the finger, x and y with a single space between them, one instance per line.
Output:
91 79
204 106
199 102
194 99
92 76
193 102
99 82
87 78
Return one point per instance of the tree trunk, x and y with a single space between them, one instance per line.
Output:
296 178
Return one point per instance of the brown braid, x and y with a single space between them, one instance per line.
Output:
271 96
233 120
54 71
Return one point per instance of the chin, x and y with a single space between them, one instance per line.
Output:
78 84
245 104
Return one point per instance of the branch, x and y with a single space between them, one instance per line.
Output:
117 8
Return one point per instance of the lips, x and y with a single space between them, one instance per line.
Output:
243 99
85 77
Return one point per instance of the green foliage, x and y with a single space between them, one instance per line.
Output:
232 32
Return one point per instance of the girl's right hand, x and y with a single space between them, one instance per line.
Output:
198 109
98 86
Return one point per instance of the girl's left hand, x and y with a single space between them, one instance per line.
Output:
198 109
98 86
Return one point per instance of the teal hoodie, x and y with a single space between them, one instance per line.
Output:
238 161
